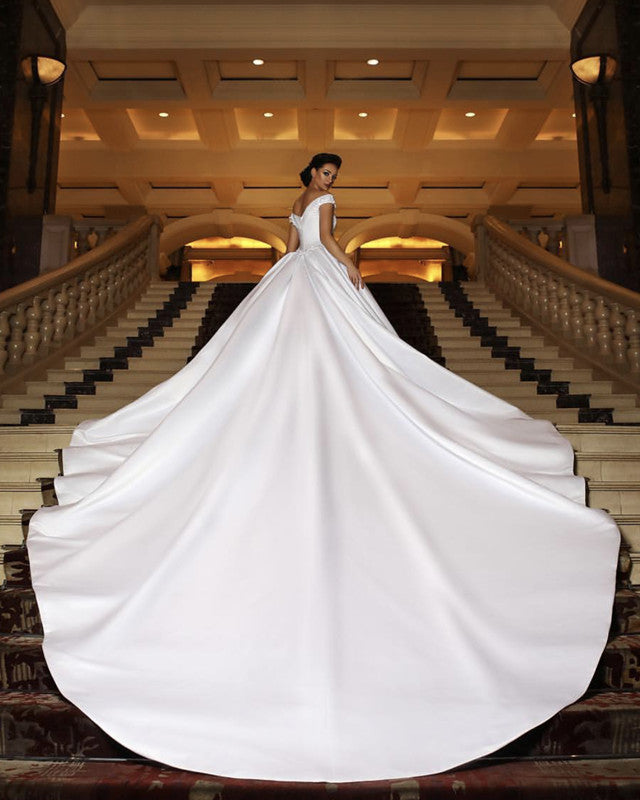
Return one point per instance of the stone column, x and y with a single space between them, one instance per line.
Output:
27 27
612 27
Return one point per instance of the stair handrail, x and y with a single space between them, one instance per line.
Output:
592 318
53 311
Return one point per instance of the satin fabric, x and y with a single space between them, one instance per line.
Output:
313 554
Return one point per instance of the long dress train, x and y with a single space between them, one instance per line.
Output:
313 554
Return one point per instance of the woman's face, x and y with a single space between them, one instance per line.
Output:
324 177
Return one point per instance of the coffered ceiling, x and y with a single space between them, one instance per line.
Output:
165 110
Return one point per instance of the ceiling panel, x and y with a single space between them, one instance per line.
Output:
178 126
385 70
379 125
500 70
454 125
560 126
270 70
506 61
75 126
254 126
134 70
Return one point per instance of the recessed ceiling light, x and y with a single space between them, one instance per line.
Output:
163 114
363 114
373 62
258 62
268 114
574 115
62 116
470 114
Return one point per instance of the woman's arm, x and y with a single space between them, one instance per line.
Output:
293 240
326 237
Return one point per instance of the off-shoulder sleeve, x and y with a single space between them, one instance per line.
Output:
326 198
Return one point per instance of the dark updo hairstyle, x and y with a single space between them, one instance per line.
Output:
316 162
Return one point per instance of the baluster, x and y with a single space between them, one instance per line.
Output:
564 315
17 324
60 316
553 308
618 339
543 296
543 238
92 300
83 306
535 294
46 326
604 327
632 329
32 336
555 242
72 311
111 272
102 293
92 239
575 303
589 327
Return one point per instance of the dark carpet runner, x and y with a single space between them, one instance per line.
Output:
404 308
119 359
501 348
226 297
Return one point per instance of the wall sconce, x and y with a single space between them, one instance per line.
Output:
40 72
597 72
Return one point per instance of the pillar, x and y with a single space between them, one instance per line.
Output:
27 27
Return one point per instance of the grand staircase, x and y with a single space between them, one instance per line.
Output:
49 749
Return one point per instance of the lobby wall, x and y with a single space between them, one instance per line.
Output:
26 27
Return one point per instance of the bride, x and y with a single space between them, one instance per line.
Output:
314 554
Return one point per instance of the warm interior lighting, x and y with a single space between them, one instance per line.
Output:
363 114
258 62
233 243
409 243
470 114
163 114
373 62
594 69
43 70
268 114
574 115
61 116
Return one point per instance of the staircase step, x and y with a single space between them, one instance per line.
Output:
539 779
615 467
27 467
616 497
14 496
41 438
56 726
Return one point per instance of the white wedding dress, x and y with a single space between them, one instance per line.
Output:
313 554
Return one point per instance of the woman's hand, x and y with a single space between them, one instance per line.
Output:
354 275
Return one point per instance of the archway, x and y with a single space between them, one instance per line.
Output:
412 223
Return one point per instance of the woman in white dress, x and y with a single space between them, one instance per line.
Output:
314 554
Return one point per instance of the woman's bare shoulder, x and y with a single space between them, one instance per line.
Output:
303 200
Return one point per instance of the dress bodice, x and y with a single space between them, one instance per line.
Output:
308 223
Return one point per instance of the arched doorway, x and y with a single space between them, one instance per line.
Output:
410 245
222 246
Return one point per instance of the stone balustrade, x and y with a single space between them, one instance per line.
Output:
591 318
64 306
87 234
551 234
